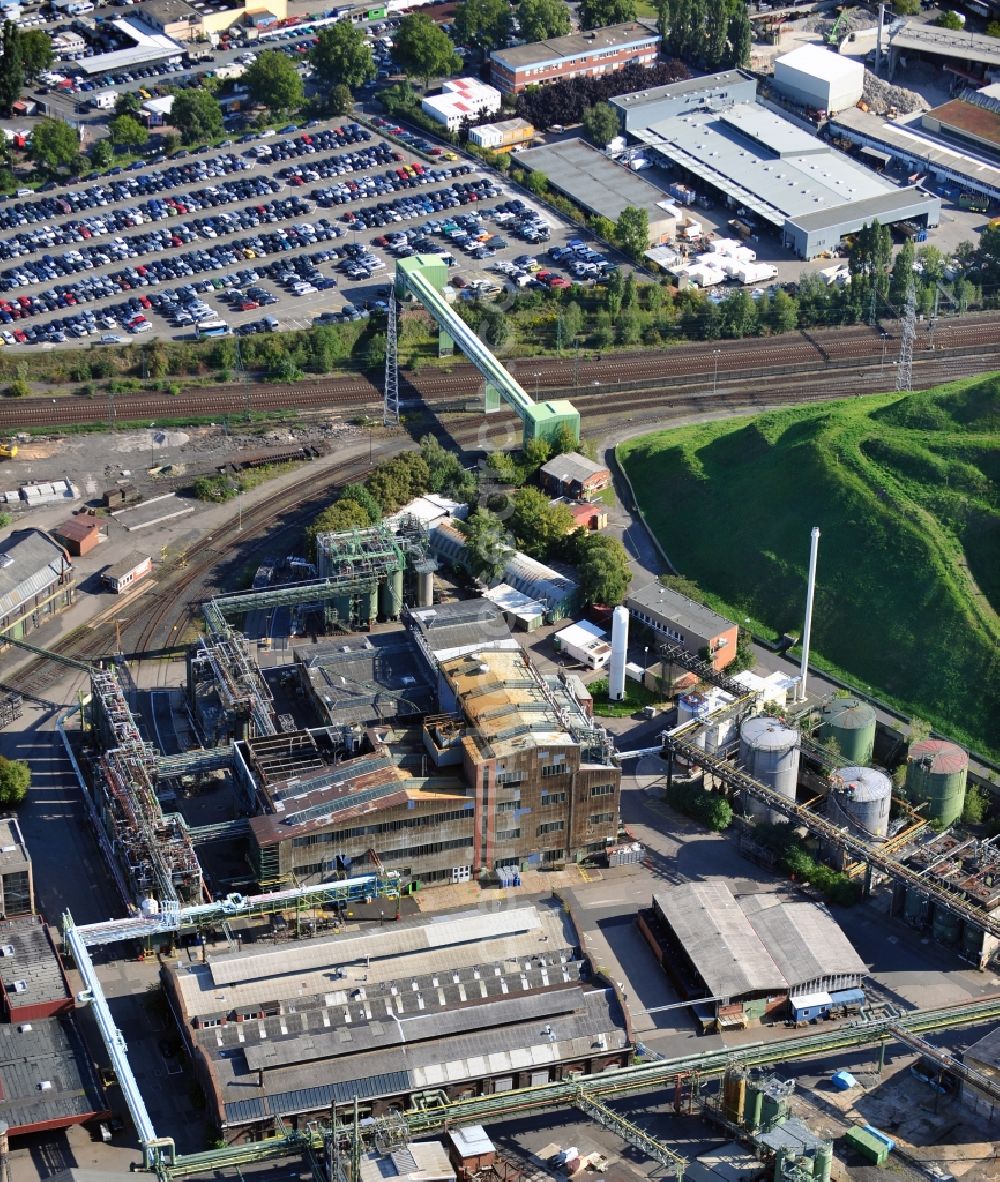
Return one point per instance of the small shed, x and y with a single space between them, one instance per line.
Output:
471 1150
810 1006
79 535
129 570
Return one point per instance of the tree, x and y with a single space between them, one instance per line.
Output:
717 18
976 806
932 263
901 276
740 38
632 231
541 19
603 569
102 154
15 780
128 102
906 7
341 101
739 315
125 131
537 452
485 24
780 312
274 81
600 124
868 262
54 144
595 14
36 52
342 57
447 476
572 321
197 116
11 67
486 546
424 50
538 526
951 20
358 493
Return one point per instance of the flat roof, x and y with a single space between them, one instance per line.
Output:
416 1161
471 1141
640 98
46 1051
149 46
763 161
463 626
573 45
167 11
986 1051
126 565
685 612
34 963
895 206
968 118
941 42
910 138
13 852
595 181
820 63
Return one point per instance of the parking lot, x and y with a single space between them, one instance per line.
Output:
304 223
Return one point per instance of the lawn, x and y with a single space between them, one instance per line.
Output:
906 492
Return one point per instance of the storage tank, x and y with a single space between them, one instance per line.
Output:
769 751
425 588
860 797
936 773
714 733
619 654
850 723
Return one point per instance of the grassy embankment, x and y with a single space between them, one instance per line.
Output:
906 492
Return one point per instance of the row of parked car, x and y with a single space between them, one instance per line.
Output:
309 143
383 213
394 180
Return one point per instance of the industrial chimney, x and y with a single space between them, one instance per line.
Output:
810 594
619 654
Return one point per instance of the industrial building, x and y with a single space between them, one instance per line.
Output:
584 642
503 136
47 1077
848 725
972 120
415 1161
460 101
78 535
719 139
600 186
970 56
750 956
969 870
692 625
17 886
574 475
818 79
201 19
146 46
460 1004
121 575
36 581
32 980
577 55
370 566
983 1057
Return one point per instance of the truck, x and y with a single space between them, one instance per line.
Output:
228 73
975 202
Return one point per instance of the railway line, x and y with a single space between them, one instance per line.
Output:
971 338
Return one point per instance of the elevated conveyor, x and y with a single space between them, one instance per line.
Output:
542 420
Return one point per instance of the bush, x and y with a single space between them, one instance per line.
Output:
18 388
708 808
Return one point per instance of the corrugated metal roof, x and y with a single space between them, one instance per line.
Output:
45 1051
33 963
30 562
803 939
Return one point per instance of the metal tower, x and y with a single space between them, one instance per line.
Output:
240 371
390 409
904 369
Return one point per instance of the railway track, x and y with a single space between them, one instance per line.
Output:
972 337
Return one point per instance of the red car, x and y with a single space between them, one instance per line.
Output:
559 283
249 305
145 301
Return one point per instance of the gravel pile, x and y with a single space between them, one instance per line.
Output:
881 96
851 21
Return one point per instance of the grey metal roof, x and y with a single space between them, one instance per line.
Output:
889 207
762 161
34 963
462 625
719 940
125 565
572 466
576 45
941 42
13 852
538 580
46 1051
803 939
390 1083
655 94
593 180
688 615
382 678
30 562
986 1051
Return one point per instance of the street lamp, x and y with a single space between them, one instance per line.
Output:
715 370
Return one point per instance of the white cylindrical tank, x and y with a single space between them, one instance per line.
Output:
860 797
425 588
769 751
150 906
714 733
619 654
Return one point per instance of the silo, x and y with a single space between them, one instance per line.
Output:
619 654
935 773
823 1162
850 724
769 751
425 588
860 797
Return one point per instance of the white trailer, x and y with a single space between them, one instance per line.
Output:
104 100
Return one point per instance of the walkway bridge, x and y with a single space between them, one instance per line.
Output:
419 276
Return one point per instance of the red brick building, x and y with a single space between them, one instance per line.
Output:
78 534
572 475
577 55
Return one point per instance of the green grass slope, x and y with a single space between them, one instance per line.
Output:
906 492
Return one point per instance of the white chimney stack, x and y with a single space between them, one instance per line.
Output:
810 594
619 654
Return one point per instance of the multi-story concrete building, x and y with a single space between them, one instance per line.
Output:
693 626
577 55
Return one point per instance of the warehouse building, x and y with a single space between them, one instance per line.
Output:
460 101
972 120
693 626
502 137
983 1058
815 78
967 55
47 1079
36 581
461 1003
577 55
727 145
751 957
602 187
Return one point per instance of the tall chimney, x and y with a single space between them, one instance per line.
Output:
810 593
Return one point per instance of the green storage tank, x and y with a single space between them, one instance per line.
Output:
947 927
850 724
753 1108
935 774
823 1162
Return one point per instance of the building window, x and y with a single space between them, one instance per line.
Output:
553 855
208 1023
508 834
508 806
552 798
601 818
603 790
509 779
554 769
549 827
